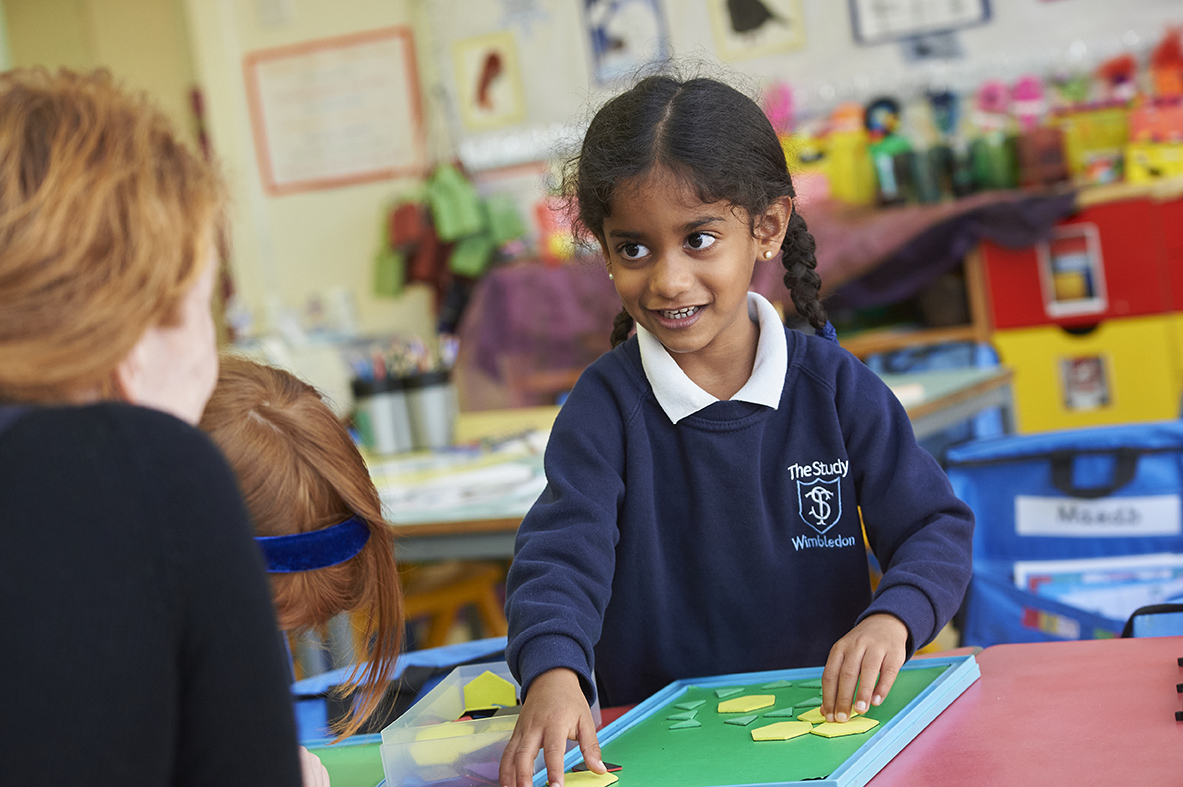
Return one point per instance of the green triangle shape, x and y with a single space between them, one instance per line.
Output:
780 684
741 721
685 725
721 693
686 714
812 702
810 684
691 705
780 713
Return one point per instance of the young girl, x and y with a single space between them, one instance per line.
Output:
316 513
705 477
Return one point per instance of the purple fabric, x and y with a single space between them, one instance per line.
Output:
939 248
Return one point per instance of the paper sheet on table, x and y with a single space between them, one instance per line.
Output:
1110 586
909 393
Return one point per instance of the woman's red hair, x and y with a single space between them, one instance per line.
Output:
106 219
299 470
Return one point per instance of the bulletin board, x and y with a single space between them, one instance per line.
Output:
336 111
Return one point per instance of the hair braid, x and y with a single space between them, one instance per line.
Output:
797 255
621 327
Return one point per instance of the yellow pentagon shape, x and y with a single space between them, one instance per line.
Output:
814 716
444 744
589 779
781 731
747 704
487 690
833 729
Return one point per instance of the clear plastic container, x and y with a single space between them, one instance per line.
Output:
427 744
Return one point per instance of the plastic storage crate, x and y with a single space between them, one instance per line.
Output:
1087 493
427 745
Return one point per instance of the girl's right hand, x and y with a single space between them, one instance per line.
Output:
555 711
314 772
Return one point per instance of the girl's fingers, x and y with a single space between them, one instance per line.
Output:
848 678
887 676
830 682
589 745
867 680
553 750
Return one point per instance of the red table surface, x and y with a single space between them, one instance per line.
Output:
1074 713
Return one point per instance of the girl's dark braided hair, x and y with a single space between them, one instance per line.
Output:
714 137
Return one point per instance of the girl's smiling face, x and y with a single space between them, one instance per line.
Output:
682 267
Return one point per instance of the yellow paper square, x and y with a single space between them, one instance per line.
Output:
589 779
853 727
782 731
747 704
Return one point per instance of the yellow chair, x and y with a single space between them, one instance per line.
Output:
439 592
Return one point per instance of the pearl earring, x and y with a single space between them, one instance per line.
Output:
610 276
767 255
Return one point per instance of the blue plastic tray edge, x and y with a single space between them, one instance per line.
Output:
929 703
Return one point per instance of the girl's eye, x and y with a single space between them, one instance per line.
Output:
632 251
700 240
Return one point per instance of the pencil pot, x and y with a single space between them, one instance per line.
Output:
432 403
382 417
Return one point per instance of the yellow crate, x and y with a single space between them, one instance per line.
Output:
1122 371
1150 161
1092 132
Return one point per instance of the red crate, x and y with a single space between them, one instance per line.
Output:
1107 261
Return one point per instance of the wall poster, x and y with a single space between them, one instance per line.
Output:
336 111
489 81
756 28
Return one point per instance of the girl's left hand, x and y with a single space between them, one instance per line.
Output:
869 657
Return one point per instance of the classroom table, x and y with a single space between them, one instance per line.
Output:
485 529
1074 713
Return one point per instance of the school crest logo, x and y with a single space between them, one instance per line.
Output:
820 502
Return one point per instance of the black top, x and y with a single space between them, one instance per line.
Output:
139 645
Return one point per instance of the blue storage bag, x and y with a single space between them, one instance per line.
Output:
1083 493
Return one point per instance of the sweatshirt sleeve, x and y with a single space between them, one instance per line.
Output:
565 553
920 532
236 724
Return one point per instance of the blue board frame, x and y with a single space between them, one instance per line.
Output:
861 766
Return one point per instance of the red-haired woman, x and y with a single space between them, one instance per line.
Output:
139 639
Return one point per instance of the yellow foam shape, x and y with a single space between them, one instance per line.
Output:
781 731
833 729
814 715
444 744
589 779
747 704
487 690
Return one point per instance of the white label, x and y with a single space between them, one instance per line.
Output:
1110 517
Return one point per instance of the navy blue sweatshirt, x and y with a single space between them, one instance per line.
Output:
730 541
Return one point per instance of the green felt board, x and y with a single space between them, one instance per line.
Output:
358 765
724 754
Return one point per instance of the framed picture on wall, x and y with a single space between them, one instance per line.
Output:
489 81
336 111
878 21
756 28
625 36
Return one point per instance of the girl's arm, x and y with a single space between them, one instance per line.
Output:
918 529
561 580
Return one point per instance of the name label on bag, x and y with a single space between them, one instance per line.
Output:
1110 517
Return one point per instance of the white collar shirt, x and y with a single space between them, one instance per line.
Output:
679 396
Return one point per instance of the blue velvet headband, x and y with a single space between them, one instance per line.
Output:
314 549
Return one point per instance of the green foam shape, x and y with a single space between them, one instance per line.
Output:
810 684
781 713
686 725
741 721
691 705
721 693
780 684
812 702
686 714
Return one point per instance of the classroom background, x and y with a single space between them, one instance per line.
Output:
996 187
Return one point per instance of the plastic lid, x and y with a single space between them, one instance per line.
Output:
425 379
381 385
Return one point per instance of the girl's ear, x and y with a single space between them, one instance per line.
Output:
773 225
